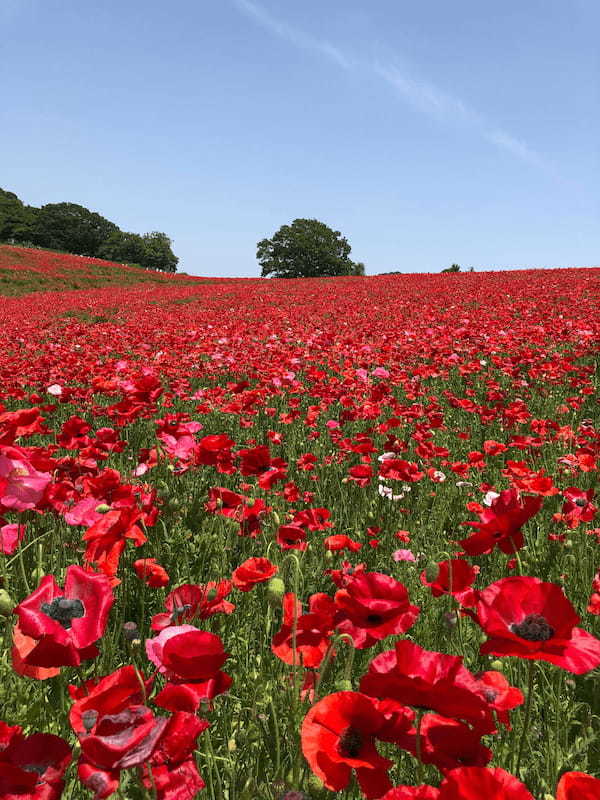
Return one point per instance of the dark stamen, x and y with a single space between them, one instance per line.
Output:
350 743
64 610
374 619
534 628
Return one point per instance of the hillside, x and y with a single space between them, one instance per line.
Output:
24 270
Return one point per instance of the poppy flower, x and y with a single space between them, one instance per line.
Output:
474 783
428 680
578 786
175 775
32 767
194 601
22 486
577 508
500 695
11 537
455 577
252 572
446 743
528 618
191 660
291 537
151 572
304 638
373 605
500 525
423 792
65 624
338 737
340 541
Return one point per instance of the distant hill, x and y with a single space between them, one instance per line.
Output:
24 270
71 228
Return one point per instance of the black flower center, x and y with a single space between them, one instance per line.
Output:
534 628
581 502
64 610
350 743
490 695
374 619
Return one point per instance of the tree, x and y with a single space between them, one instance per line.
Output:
16 219
158 253
305 249
71 227
453 268
128 248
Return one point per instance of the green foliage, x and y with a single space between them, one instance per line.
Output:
305 249
72 228
453 268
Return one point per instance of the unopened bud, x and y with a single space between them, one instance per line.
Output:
6 603
275 591
276 519
211 594
103 508
432 570
343 685
497 665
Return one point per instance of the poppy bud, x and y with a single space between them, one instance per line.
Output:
316 788
497 665
130 631
275 591
6 603
328 555
103 508
37 574
432 570
276 519
343 685
211 594
232 745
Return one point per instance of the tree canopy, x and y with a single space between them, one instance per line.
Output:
306 249
75 229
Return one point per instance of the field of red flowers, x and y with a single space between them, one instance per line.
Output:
302 539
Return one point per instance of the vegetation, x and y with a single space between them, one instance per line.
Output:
306 249
72 228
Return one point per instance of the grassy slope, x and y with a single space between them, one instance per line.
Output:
24 270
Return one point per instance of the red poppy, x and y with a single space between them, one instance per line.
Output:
309 633
151 572
108 695
500 695
527 618
500 525
191 660
190 602
65 624
291 537
447 743
423 792
426 679
454 577
475 783
32 767
175 775
373 605
340 541
577 508
338 736
578 786
252 572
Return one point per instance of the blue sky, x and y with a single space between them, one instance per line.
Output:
428 133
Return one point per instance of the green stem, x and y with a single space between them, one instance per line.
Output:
527 715
418 746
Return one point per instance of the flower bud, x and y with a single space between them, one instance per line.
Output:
343 685
432 570
275 591
316 788
497 665
276 519
6 603
102 508
37 574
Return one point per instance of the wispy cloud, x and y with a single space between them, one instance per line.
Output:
421 94
293 35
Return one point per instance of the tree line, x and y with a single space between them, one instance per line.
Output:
75 229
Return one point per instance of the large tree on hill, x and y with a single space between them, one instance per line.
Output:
16 219
70 227
305 249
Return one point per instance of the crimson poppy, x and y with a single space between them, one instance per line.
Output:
578 786
446 742
474 783
338 736
151 572
531 619
454 577
32 767
65 624
371 606
191 601
252 572
304 638
500 525
423 792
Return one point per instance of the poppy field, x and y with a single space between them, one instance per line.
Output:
300 539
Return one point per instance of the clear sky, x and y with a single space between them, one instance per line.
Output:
428 132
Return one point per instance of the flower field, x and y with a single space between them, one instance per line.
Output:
299 539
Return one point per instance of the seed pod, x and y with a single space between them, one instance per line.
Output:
275 591
6 603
